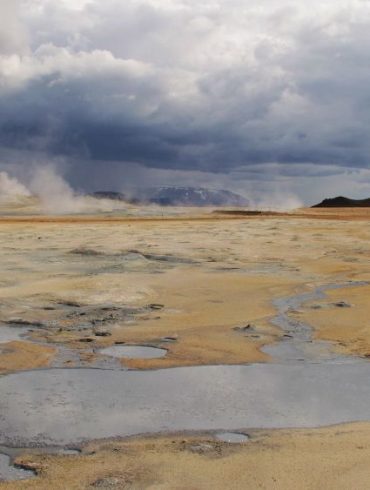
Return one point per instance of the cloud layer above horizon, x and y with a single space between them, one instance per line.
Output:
264 91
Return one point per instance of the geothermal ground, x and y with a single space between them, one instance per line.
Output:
185 349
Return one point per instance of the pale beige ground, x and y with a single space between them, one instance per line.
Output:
335 458
241 264
16 355
347 327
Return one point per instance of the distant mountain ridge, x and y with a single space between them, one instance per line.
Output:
115 196
177 196
343 202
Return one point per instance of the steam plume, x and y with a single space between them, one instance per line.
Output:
11 189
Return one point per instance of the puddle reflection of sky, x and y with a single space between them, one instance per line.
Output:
64 406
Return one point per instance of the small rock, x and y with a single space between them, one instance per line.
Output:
342 304
73 304
102 333
250 326
85 251
169 339
86 339
155 306
20 321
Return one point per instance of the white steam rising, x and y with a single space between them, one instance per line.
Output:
276 202
55 194
11 189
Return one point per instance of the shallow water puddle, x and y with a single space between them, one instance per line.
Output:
297 343
134 352
232 437
67 406
9 472
9 334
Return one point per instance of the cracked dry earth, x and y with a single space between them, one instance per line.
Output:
206 291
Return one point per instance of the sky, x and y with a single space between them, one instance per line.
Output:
269 98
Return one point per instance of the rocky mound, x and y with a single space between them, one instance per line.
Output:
343 202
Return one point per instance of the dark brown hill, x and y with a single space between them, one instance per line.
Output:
343 202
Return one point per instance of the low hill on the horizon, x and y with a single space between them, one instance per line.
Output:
177 196
343 202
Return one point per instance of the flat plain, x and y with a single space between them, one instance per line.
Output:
206 287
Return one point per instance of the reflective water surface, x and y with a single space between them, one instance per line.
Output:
133 351
9 472
232 437
8 334
66 406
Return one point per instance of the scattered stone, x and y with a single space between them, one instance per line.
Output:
86 339
120 482
73 304
102 333
155 306
169 339
250 326
342 304
85 251
26 323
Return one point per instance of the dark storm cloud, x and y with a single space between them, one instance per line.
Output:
179 84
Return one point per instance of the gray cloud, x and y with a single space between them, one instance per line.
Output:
280 92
